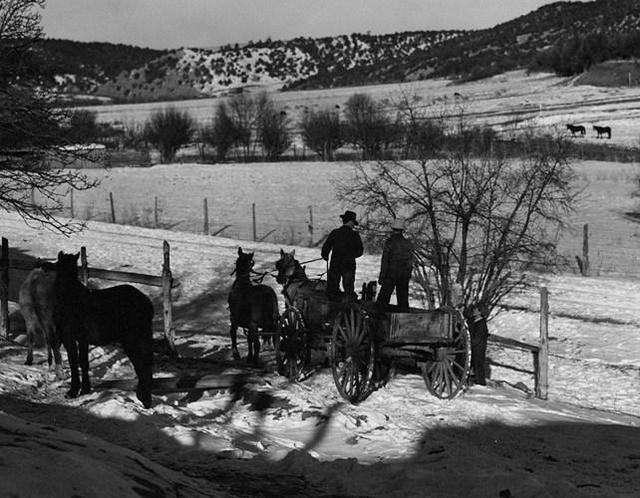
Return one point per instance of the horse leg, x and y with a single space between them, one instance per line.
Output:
250 344
72 355
256 346
57 358
84 366
233 332
29 360
140 354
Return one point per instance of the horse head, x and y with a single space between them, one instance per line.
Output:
286 266
244 263
67 264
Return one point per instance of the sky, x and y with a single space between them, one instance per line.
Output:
211 23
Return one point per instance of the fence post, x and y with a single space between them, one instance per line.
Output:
72 208
585 249
167 309
4 289
542 370
113 211
310 226
253 217
205 214
155 212
84 267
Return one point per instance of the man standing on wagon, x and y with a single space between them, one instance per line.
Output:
396 267
345 245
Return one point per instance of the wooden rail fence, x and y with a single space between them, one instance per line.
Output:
539 351
164 280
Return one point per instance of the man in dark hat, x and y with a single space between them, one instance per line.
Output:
396 267
345 245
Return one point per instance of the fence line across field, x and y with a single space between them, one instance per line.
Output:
164 281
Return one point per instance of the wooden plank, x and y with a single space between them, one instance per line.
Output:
4 289
510 367
123 276
512 343
112 275
167 305
84 266
427 326
543 355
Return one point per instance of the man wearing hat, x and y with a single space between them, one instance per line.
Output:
345 245
396 267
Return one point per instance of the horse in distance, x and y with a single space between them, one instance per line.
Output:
574 129
602 131
116 315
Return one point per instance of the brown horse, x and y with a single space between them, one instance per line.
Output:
120 314
602 131
576 129
252 307
37 301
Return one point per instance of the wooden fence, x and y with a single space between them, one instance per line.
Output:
164 281
540 351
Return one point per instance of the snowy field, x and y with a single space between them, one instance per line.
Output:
511 101
283 193
273 437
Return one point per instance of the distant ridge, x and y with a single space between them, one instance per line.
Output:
131 74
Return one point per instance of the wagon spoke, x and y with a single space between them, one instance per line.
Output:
447 378
453 375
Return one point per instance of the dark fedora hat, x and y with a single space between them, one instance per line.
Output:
349 216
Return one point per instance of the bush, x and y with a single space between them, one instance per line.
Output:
423 138
368 127
168 130
272 128
322 132
222 134
83 128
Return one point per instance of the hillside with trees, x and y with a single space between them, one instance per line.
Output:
79 67
564 37
531 41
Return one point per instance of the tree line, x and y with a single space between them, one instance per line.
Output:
257 126
579 52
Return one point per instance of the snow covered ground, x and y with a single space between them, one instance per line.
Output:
273 437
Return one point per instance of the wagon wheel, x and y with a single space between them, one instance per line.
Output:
447 374
292 352
352 354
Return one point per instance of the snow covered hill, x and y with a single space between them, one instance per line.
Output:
194 72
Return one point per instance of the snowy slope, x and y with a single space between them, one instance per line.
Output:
400 441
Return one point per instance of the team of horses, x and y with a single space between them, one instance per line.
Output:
61 310
601 131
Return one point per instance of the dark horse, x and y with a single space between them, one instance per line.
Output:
576 129
120 314
602 130
252 307
36 299
293 277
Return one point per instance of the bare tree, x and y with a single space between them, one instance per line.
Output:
35 147
322 132
244 112
168 130
480 221
272 128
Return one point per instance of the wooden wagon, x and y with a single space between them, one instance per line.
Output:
359 342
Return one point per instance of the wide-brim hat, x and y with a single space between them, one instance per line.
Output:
398 224
349 216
